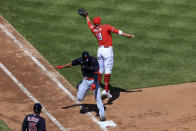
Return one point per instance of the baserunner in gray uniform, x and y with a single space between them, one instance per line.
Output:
89 68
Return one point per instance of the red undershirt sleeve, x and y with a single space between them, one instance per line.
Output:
90 25
112 29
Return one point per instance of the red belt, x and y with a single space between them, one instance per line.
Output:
89 78
104 46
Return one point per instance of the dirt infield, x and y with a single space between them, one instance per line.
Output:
165 108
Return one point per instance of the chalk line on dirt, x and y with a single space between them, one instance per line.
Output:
32 97
102 125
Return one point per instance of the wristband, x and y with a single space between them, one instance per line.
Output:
120 32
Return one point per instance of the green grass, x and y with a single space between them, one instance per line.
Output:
3 126
162 53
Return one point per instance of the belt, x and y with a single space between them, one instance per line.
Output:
103 46
88 78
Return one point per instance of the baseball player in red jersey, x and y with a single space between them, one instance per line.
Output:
105 50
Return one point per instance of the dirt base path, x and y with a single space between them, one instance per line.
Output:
15 104
166 108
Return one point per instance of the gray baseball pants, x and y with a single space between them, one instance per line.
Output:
84 87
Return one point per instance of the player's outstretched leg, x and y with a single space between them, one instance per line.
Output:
99 103
107 81
108 65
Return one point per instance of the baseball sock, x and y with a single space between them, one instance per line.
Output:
106 81
99 77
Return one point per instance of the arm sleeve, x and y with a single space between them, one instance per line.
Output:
76 61
24 124
90 25
113 30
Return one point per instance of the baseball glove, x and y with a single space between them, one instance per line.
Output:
82 12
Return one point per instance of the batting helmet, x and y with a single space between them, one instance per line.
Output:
37 107
97 20
85 57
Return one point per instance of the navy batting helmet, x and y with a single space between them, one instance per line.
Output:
85 57
37 107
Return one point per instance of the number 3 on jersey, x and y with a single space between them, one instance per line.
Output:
99 36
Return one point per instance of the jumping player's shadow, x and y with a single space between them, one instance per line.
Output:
115 92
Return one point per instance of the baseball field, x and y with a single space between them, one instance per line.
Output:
162 55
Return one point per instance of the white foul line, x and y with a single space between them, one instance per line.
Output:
56 81
32 97
37 62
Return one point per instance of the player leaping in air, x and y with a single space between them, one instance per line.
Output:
105 49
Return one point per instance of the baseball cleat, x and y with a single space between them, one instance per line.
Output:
83 110
108 94
102 118
104 93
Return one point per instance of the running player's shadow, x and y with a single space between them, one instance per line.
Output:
115 92
85 108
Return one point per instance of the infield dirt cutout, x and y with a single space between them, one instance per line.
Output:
164 108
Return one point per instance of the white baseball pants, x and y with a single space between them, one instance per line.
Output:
105 59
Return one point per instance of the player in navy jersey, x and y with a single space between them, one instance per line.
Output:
89 68
34 122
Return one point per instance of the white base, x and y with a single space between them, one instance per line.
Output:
105 124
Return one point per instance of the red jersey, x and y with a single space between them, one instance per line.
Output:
103 33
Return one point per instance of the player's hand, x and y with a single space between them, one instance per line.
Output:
93 87
130 36
59 67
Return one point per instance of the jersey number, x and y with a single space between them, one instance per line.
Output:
32 126
99 36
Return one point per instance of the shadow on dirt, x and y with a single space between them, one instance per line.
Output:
85 108
115 92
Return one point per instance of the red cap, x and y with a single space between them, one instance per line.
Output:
97 20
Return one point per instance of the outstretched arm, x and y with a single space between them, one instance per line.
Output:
88 19
67 65
127 35
64 66
120 32
90 25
